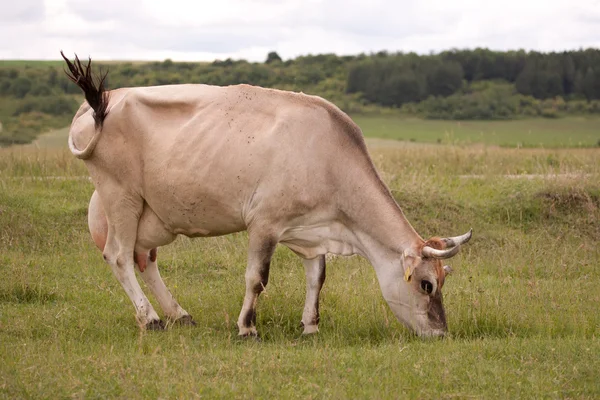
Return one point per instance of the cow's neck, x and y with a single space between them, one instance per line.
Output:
369 224
380 227
365 220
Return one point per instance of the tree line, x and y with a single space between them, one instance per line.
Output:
455 84
395 79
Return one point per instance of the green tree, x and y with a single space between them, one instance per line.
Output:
404 87
527 81
272 57
445 79
4 86
568 74
551 85
357 78
588 84
40 90
20 87
52 78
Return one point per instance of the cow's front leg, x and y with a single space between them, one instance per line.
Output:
149 272
260 251
315 277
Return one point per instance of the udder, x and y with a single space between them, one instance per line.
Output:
151 232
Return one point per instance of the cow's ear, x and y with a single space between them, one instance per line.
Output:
410 260
447 270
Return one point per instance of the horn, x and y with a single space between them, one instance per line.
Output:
430 252
458 240
447 269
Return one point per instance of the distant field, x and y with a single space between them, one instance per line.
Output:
561 132
53 139
37 63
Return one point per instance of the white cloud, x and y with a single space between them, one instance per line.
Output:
207 30
22 11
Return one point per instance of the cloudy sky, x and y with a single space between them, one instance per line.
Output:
218 29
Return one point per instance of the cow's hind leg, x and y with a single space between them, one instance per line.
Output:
315 277
260 251
149 272
122 217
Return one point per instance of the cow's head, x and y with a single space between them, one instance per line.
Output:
416 298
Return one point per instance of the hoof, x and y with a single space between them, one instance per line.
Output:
249 333
155 325
309 329
186 320
250 336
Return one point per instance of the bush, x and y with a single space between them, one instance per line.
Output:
4 86
40 90
27 126
20 87
549 113
52 105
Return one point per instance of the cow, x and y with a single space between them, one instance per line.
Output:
288 168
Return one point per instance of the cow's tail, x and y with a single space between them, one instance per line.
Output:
96 96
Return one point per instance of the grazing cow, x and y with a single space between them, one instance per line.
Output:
288 168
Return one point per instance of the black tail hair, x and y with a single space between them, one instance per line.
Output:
95 93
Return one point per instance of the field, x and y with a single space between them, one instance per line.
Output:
548 133
31 63
522 303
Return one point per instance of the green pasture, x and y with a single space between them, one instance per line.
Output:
522 304
549 133
31 63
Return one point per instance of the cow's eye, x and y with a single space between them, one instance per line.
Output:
426 286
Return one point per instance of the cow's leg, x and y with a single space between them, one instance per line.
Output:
122 218
260 251
149 272
315 277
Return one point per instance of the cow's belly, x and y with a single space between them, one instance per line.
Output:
208 225
310 241
198 215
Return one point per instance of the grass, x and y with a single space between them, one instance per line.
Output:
550 133
522 304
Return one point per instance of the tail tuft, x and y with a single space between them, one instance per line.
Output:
95 93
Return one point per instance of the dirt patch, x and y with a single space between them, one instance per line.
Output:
571 199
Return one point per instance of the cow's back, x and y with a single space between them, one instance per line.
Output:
204 157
